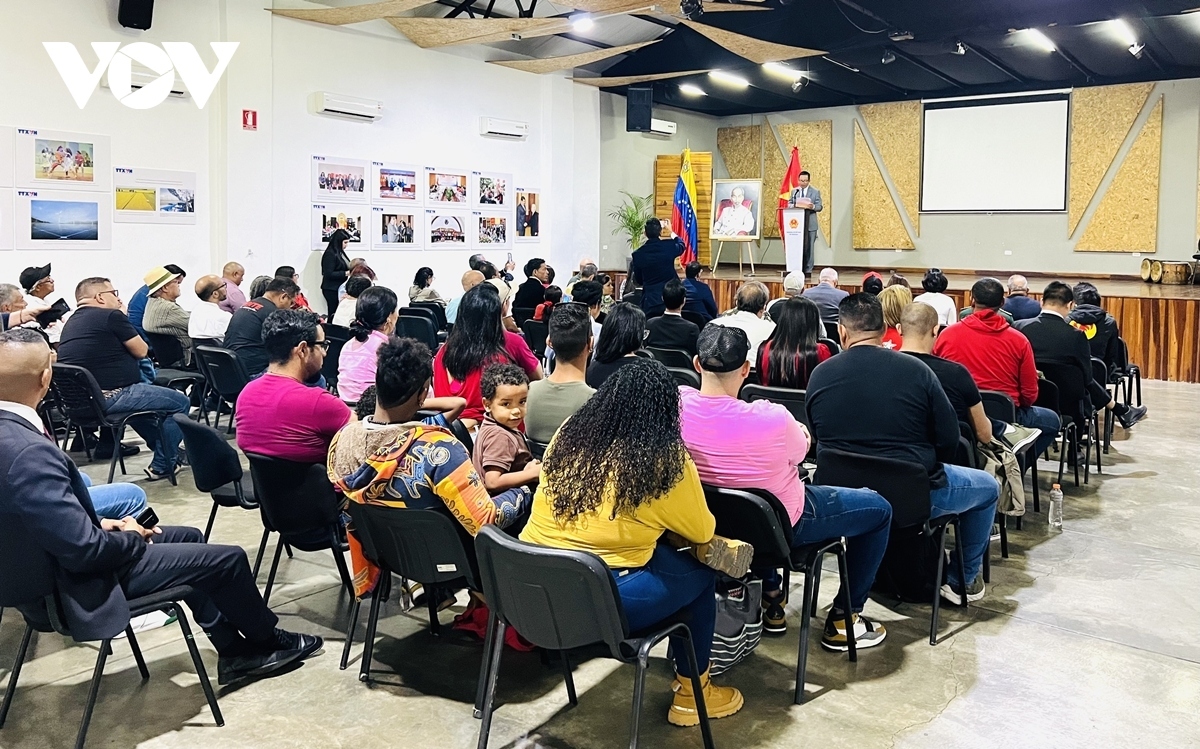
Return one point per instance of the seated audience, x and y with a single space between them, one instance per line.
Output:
670 330
827 295
919 323
375 316
232 274
1055 341
751 301
39 285
103 562
612 486
257 287
578 274
999 358
893 302
620 340
100 338
470 280
355 286
358 267
631 291
787 359
422 289
478 339
607 300
13 307
280 416
501 455
446 410
244 336
1019 305
872 283
897 279
554 296
587 272
298 300
1103 335
713 419
532 292
163 315
136 308
588 294
793 286
934 283
699 297
554 399
915 423
208 322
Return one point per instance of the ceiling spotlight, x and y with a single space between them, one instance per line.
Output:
728 78
1123 31
888 57
799 83
691 90
1136 50
959 49
582 23
900 36
1040 40
779 69
691 9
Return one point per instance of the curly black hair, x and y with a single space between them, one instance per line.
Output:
625 440
495 375
366 403
403 366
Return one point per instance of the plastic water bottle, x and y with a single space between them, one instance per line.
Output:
1054 515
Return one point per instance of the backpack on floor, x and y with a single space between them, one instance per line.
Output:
908 566
739 624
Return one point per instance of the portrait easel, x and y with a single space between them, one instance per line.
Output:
746 246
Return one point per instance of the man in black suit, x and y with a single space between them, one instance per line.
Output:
98 564
671 330
1055 341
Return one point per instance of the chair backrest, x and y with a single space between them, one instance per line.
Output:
340 332
671 357
295 498
223 370
536 332
998 406
463 434
685 377
521 314
695 317
904 485
417 326
415 311
643 353
426 545
80 394
831 331
537 449
1072 387
437 310
791 399
754 516
1099 373
1047 396
338 336
214 461
556 599
831 344
167 349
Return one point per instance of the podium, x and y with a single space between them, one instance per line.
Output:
795 238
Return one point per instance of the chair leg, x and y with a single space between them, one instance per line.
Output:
93 693
435 627
806 604
639 693
288 549
262 548
1037 493
15 674
137 653
481 685
364 671
340 560
958 554
350 635
1062 456
1004 536
566 669
937 586
489 696
815 571
212 518
198 662
697 689
116 457
274 568
847 605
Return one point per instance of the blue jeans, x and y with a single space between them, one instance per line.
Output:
672 581
115 501
143 397
862 516
1040 418
973 495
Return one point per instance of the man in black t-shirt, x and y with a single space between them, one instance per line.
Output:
100 338
244 334
872 401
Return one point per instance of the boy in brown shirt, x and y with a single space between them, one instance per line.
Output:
501 455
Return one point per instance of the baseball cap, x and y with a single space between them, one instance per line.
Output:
793 282
31 276
158 278
722 349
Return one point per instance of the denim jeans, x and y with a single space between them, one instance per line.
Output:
973 495
1040 418
142 397
115 501
862 516
672 581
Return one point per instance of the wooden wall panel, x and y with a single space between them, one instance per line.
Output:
877 224
1127 217
815 141
774 168
896 130
741 149
666 175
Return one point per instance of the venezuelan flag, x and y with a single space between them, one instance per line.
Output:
683 211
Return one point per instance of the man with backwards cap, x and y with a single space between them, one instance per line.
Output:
38 285
717 427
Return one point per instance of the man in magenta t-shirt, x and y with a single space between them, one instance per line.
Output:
277 414
759 445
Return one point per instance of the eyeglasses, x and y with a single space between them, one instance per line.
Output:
114 292
323 344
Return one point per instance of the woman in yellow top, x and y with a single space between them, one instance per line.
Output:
614 480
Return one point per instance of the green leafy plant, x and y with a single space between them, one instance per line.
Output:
631 216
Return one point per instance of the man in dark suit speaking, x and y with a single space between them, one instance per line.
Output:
807 196
48 518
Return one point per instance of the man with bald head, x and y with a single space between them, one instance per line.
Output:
232 274
1018 304
208 322
827 296
470 280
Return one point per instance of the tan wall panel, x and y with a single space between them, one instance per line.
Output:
776 167
1101 118
741 148
666 175
1127 217
896 130
877 224
815 141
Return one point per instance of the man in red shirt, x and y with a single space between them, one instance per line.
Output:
999 358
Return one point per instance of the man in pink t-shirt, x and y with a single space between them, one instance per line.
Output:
278 414
739 445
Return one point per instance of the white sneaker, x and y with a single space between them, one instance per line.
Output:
975 592
153 620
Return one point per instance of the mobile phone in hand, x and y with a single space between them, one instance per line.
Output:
510 257
147 518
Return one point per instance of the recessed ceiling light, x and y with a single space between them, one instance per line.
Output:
1123 31
888 57
728 78
959 49
691 89
1039 40
582 23
779 69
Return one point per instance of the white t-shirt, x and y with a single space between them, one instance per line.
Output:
947 310
757 329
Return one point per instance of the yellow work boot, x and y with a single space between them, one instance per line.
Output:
720 702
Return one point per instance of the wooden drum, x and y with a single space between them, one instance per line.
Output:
1146 269
1176 273
1156 271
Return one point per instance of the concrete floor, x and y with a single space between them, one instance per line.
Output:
1087 638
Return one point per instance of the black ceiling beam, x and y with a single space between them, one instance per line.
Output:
991 60
1070 59
460 8
910 59
867 13
869 77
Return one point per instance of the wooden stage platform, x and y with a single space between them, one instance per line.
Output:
1160 323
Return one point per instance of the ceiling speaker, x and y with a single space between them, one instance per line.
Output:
135 14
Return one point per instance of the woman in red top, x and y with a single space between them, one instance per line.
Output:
478 339
894 299
788 357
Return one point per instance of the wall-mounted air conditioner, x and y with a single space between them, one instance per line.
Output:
345 107
663 127
139 79
493 127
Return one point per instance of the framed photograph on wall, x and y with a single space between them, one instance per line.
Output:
153 196
491 189
326 219
58 160
62 220
446 187
447 229
736 210
393 183
338 180
396 228
527 226
491 230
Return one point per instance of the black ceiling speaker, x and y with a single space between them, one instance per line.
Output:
638 105
135 14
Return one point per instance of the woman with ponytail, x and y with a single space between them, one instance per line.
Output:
374 320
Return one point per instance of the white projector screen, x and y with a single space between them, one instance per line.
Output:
994 155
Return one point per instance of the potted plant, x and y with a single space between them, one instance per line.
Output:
631 217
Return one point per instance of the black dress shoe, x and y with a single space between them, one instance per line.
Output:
1132 416
104 451
295 647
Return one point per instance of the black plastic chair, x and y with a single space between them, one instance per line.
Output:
564 600
685 377
437 310
216 469
338 337
906 488
1127 374
536 332
1100 375
831 331
831 344
760 519
226 376
460 430
672 357
297 500
438 320
521 314
695 317
791 399
84 403
418 326
1074 408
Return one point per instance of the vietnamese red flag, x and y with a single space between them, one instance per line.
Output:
791 180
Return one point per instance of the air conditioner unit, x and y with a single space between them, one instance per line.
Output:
663 127
493 127
139 79
345 107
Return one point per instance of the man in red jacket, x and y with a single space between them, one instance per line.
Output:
999 358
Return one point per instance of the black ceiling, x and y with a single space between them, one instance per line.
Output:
856 34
